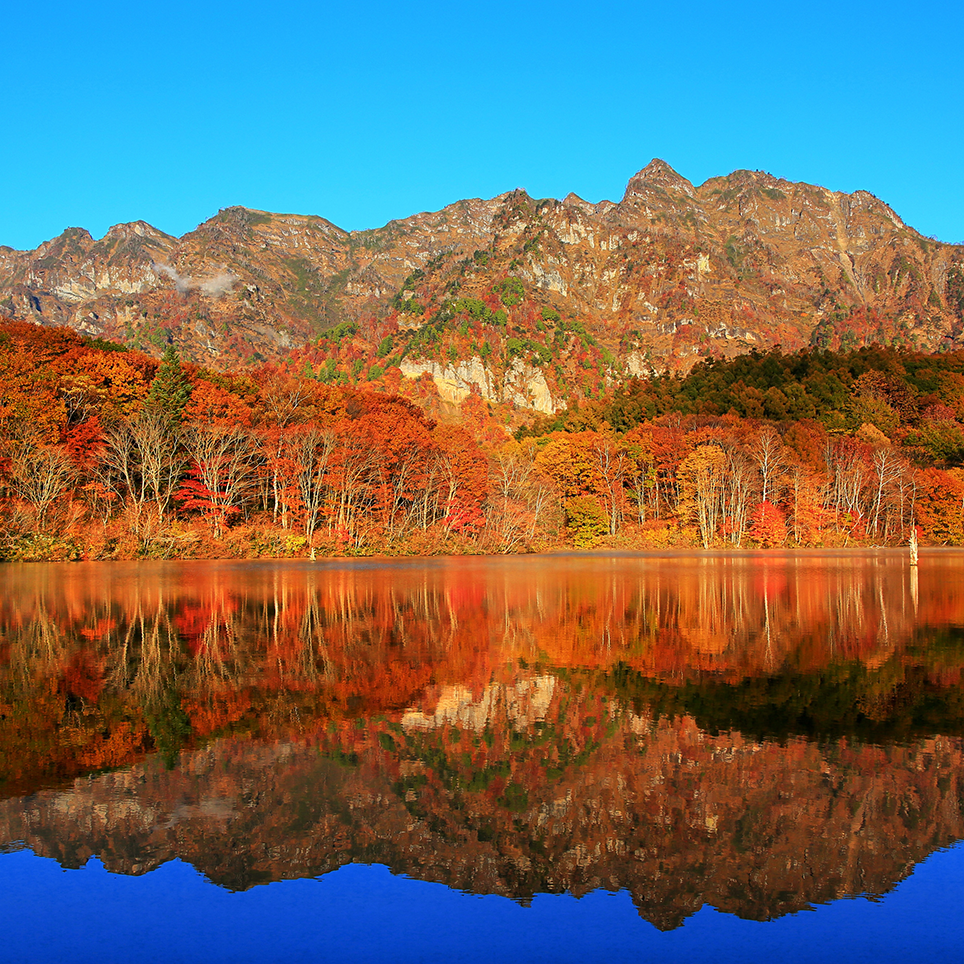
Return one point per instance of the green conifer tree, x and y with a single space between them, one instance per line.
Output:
170 390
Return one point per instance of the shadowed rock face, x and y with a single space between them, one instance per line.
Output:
755 733
670 273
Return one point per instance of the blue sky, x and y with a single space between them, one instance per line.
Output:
114 111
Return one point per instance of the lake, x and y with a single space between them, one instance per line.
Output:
659 757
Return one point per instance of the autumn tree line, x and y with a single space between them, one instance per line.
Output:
108 453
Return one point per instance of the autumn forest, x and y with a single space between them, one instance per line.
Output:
107 453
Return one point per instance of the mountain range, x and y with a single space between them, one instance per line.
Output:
533 303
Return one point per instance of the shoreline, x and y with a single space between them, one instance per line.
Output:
381 559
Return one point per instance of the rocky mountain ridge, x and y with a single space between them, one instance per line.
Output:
244 284
590 293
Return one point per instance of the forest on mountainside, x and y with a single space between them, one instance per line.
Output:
107 453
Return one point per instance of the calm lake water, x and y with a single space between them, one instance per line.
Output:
574 758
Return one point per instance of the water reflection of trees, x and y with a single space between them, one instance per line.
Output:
755 733
170 654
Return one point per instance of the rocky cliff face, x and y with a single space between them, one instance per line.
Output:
740 262
244 285
671 273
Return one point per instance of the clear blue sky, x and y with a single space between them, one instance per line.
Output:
117 111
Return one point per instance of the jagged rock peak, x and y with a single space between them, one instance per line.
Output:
515 195
74 234
67 239
139 229
870 202
754 178
572 200
658 174
236 212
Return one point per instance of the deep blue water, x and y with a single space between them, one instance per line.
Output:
365 914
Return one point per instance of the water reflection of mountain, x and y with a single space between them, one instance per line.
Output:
754 733
589 795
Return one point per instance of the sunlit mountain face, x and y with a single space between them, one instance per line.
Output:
524 298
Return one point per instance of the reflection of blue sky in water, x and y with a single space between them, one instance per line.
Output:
361 914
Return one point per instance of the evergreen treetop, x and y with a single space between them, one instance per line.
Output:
170 391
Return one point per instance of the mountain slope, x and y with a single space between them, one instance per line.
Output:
569 296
